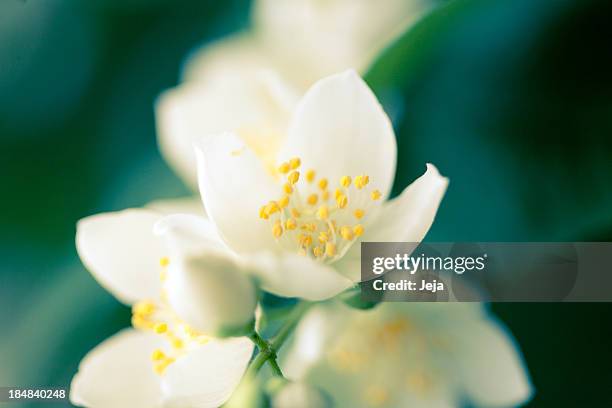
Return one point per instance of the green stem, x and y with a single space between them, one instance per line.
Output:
267 350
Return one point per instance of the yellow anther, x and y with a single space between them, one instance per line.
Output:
309 226
163 275
358 230
342 201
277 229
310 176
160 328
337 193
323 212
272 207
345 181
305 240
323 183
284 168
295 163
293 177
359 213
177 343
164 261
312 199
361 181
325 195
263 212
330 249
332 226
162 365
375 195
290 224
283 202
295 213
287 188
323 237
317 251
143 308
346 232
157 355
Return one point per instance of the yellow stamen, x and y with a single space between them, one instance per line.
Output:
323 183
359 213
309 226
283 202
295 163
272 207
277 229
160 328
345 181
163 275
358 230
361 181
143 308
295 213
293 177
325 195
375 195
342 201
164 261
284 168
157 355
312 199
305 240
263 212
323 212
323 237
337 193
317 251
310 176
290 224
346 232
330 249
287 188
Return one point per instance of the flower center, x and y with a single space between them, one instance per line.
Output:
313 221
159 318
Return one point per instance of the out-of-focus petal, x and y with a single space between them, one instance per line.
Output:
207 376
118 373
122 253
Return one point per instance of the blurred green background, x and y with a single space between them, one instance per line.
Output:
512 99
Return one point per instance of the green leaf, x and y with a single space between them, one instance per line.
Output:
511 101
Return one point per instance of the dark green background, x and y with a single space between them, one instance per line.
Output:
511 99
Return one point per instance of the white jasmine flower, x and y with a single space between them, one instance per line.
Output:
293 214
164 361
408 354
229 85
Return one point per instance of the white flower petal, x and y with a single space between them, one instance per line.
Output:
406 218
118 373
257 104
293 275
234 185
306 34
186 234
236 55
491 371
122 253
211 293
207 376
183 205
339 129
